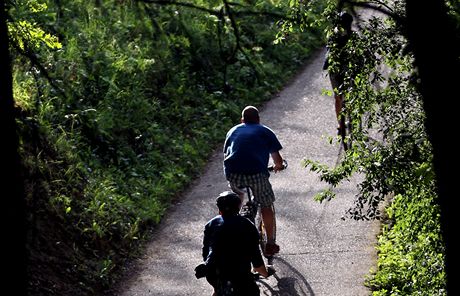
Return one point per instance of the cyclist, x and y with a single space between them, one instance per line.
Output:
247 150
336 43
230 247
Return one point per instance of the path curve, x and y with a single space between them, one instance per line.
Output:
321 254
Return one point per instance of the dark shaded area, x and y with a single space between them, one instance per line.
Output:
435 43
13 234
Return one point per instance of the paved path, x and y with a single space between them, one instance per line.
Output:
321 254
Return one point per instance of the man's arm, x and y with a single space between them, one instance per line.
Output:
278 161
262 270
206 242
265 271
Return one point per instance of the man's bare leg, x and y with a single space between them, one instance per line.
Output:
268 217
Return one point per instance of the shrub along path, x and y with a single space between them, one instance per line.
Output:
321 254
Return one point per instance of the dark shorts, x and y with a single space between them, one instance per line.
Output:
336 82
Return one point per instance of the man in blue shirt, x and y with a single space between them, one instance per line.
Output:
247 150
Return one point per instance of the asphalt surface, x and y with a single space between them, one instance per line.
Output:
321 254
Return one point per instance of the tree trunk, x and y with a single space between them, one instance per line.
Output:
435 45
11 185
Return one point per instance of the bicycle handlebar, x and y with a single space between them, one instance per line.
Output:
271 168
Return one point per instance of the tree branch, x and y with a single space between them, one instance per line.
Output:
36 63
183 4
238 39
217 12
380 7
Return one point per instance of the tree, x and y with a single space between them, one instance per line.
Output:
13 222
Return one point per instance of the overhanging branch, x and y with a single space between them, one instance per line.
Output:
379 7
182 4
247 10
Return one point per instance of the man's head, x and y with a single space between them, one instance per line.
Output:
228 203
345 19
250 114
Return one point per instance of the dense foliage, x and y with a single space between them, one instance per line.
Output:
119 104
391 150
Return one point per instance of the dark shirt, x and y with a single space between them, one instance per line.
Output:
247 149
231 245
337 43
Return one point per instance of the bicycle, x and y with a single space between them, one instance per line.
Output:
252 211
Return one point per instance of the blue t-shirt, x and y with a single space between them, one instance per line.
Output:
248 147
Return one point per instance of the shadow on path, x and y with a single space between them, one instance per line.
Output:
287 281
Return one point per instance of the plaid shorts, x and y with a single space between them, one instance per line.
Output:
259 184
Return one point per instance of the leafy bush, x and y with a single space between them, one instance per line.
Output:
410 249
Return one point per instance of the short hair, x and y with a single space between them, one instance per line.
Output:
228 203
345 19
250 114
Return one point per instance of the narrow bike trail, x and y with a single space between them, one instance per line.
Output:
321 254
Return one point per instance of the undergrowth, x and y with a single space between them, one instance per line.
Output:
119 107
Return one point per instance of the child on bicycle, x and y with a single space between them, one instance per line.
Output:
230 249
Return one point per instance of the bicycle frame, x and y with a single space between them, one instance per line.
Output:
250 208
